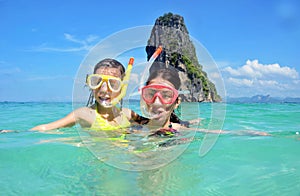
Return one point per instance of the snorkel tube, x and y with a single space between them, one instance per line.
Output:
148 65
144 78
124 83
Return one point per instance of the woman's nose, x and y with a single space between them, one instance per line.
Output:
157 100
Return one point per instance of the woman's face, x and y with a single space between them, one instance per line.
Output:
104 94
159 110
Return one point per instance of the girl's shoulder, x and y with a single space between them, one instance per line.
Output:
127 112
84 111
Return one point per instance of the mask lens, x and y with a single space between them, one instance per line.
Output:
94 81
114 84
167 95
148 94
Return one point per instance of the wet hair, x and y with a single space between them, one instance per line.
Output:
158 70
139 119
110 63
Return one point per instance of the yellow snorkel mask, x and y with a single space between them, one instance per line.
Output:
94 81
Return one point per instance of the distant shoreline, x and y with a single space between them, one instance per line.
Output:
230 100
262 99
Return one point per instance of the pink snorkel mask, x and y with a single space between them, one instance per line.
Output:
166 94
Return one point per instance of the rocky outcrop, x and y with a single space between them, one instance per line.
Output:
171 33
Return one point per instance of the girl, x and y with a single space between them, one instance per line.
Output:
106 84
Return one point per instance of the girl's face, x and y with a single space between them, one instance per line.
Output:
103 94
163 103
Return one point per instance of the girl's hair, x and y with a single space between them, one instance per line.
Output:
110 63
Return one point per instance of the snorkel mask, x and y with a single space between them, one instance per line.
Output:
95 81
115 84
166 94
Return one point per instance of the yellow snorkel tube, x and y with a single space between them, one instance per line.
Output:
125 83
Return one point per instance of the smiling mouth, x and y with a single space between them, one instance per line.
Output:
104 99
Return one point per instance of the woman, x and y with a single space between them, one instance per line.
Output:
159 98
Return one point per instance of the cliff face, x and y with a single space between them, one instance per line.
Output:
171 33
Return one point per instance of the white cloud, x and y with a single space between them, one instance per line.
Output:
84 44
296 82
268 83
40 78
253 69
255 78
74 49
240 82
71 38
92 38
9 71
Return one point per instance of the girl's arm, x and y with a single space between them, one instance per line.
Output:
67 121
134 117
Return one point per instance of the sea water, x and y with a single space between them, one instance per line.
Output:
33 163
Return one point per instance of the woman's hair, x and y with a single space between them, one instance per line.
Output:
170 74
110 63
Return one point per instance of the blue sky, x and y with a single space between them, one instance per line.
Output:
42 43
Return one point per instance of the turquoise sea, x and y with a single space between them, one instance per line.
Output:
33 163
